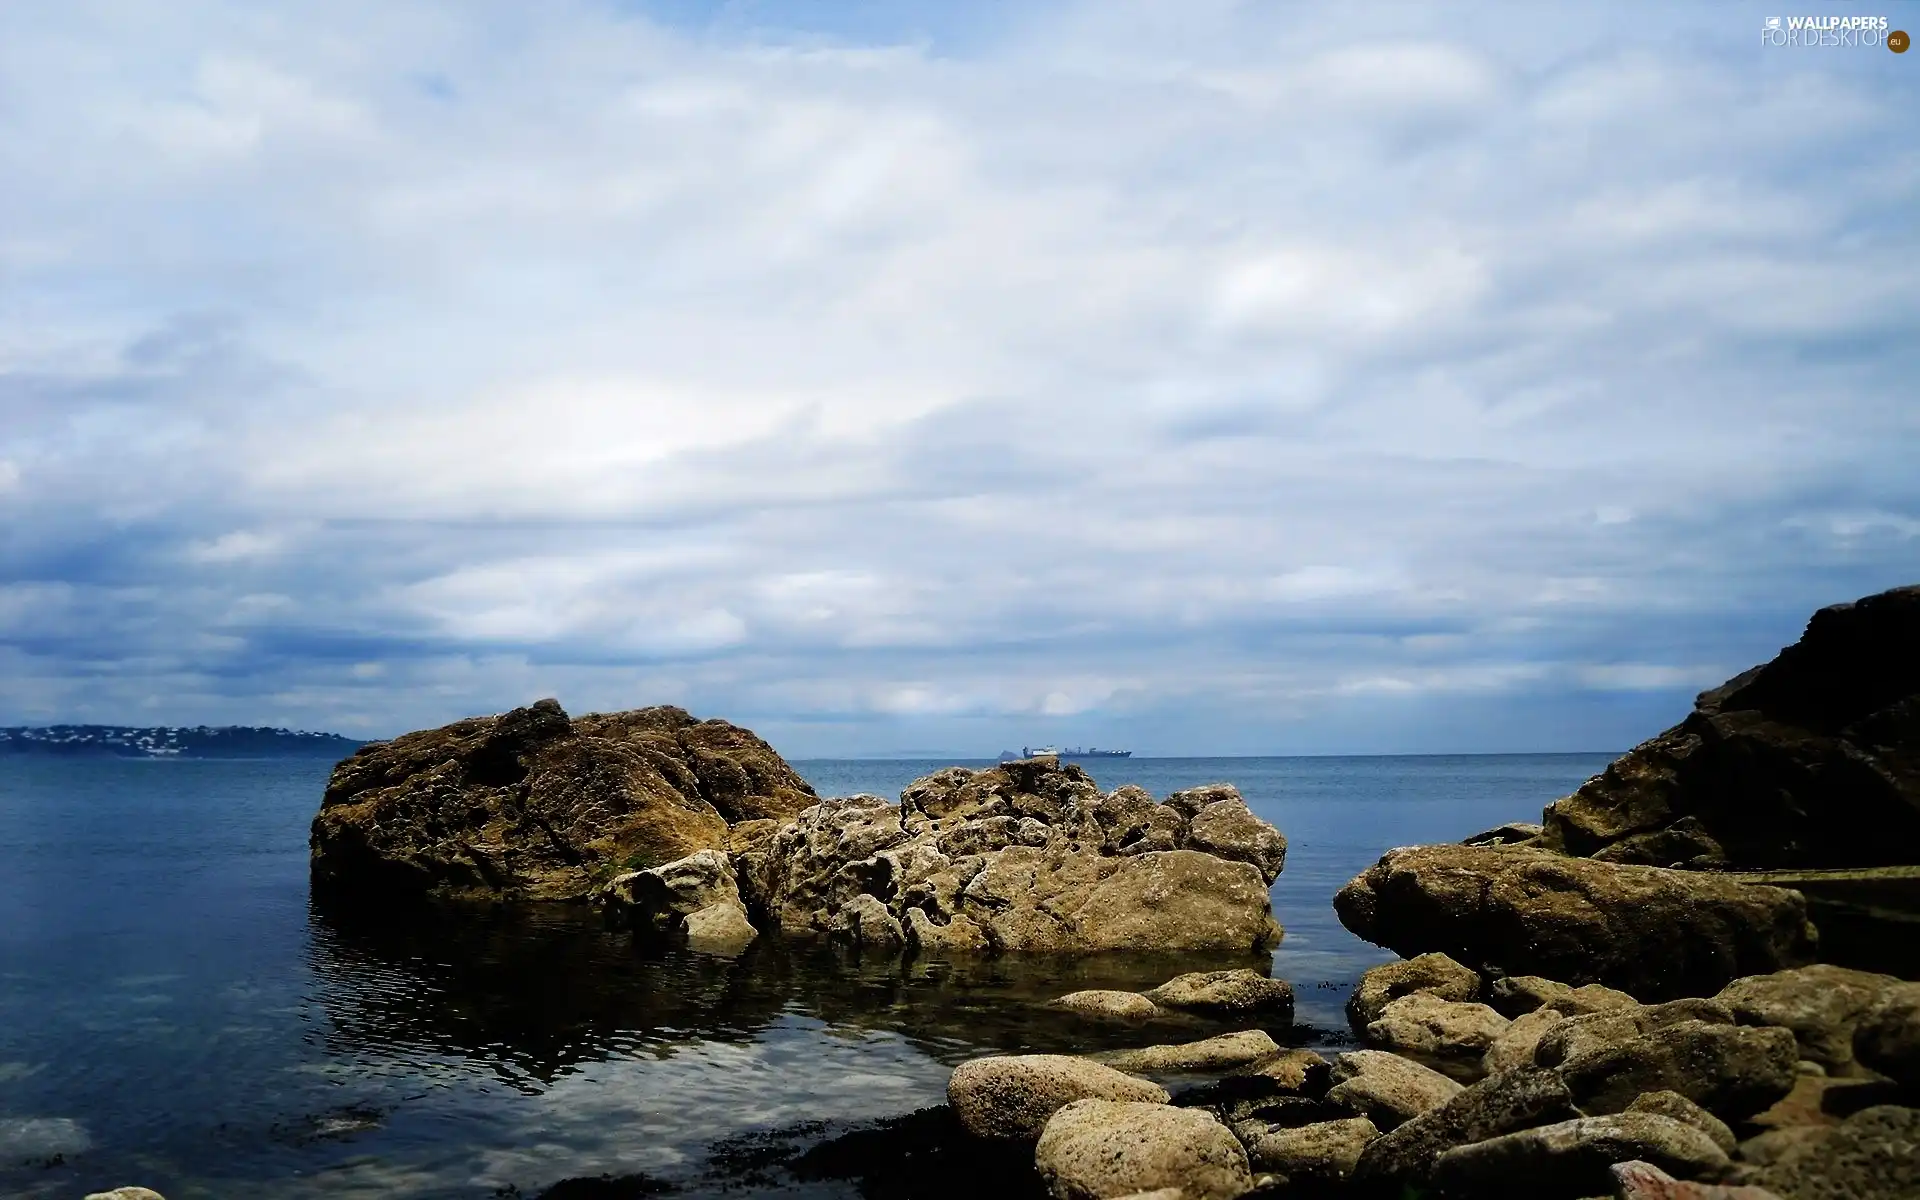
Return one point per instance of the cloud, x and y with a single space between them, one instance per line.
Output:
1197 377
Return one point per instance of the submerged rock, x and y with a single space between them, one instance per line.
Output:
1029 856
1012 1096
533 804
1107 1005
1236 993
1101 1149
1227 1052
1648 931
1812 760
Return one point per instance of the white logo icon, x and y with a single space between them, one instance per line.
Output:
1773 22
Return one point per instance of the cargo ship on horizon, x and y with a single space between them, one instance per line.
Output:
1069 752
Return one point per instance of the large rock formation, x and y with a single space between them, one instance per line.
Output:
1653 932
534 804
1028 856
1812 760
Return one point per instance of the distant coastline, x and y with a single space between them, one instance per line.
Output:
170 741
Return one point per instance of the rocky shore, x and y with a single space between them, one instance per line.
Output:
1636 997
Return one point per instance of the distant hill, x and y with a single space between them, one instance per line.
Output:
169 741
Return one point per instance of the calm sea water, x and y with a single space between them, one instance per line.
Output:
174 1012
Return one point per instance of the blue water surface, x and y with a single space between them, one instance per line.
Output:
174 1012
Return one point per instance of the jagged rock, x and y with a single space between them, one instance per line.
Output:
697 895
1821 1004
1732 1071
533 804
1673 1104
1028 856
1573 1158
721 928
1012 1096
1226 828
1434 974
1424 1026
1812 760
1224 1053
865 922
1236 993
1098 1149
1496 1105
1386 1088
1322 1153
1872 1155
1651 932
1297 1071
1888 1039
1517 1043
1513 833
1106 1005
1643 1181
1517 994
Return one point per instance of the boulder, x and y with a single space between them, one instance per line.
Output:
1424 1026
1097 1149
1236 993
1323 1153
1593 1031
1812 760
1106 1005
696 895
1673 1104
1573 1158
533 804
1648 931
1298 1071
719 928
1643 1181
1872 1155
1227 1052
1011 1097
1496 1105
865 922
1029 856
1732 1071
1387 1089
1821 1004
1517 1043
1434 974
1517 994
1887 1040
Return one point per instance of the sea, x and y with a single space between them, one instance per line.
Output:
176 1013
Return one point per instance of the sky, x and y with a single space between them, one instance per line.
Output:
913 379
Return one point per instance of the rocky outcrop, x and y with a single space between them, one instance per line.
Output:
1434 974
697 896
1652 932
1101 1149
533 804
1012 1096
1029 856
1812 760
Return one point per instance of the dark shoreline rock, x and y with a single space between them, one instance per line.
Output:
533 804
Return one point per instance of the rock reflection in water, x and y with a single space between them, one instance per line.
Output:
531 994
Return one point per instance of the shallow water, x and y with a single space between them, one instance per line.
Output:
174 1012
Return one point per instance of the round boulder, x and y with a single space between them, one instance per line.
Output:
1010 1097
1102 1149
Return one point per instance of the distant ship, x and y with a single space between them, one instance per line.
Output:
1071 752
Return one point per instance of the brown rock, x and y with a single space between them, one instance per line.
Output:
532 804
1731 1071
1011 1097
1236 993
1573 1158
1517 994
1651 932
1097 1149
1424 1026
1673 1104
1888 1038
1434 974
1821 1004
1872 1155
1224 1053
1107 1005
1515 1046
1498 1104
1386 1088
1322 1153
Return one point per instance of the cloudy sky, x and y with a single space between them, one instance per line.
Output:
1200 377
